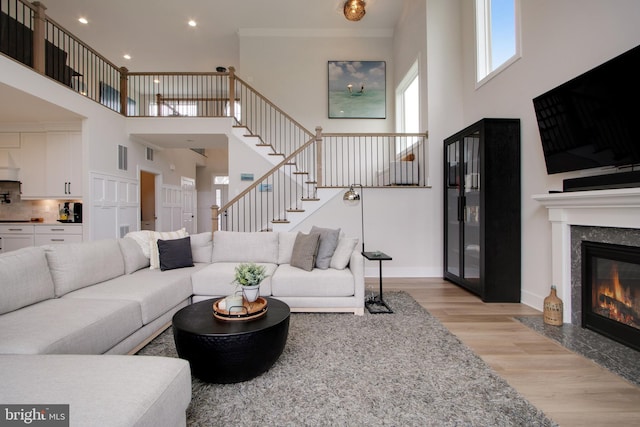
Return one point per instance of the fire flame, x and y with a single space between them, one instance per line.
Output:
614 299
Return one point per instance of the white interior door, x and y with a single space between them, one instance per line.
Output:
189 204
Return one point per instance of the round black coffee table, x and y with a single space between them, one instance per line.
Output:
230 351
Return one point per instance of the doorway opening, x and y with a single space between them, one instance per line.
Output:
148 217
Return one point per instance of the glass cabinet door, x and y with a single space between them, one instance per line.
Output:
453 189
471 210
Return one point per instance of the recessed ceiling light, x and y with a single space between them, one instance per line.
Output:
83 20
126 56
192 23
156 81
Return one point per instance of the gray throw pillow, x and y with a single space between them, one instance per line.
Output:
175 253
328 243
304 252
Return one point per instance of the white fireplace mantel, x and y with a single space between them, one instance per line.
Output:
618 208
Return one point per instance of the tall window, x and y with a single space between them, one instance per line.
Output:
408 103
498 35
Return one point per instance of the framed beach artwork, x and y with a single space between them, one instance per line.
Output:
357 89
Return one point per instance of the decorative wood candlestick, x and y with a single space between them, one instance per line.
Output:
553 309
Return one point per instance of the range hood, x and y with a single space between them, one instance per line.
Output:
8 169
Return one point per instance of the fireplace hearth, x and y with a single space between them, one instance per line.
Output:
611 291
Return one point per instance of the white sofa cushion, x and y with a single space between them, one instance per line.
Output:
290 281
134 258
68 325
24 279
216 279
342 254
76 265
233 246
286 240
201 247
131 390
155 291
142 238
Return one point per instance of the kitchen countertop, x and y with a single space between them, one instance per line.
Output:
26 222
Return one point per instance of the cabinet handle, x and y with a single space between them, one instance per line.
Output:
16 229
69 187
56 229
57 240
461 204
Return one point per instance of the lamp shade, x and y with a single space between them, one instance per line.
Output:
351 197
354 10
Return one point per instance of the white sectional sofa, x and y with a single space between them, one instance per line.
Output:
64 304
69 313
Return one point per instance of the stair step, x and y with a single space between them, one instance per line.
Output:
262 144
311 182
310 200
295 210
280 221
248 135
301 173
290 164
276 154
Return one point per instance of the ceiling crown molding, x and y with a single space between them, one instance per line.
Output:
305 32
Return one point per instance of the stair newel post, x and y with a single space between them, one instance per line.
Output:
232 92
318 156
214 218
159 104
39 36
124 78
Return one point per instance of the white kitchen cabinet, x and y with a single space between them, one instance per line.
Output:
64 165
53 234
31 158
16 237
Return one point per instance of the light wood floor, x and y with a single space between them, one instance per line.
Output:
569 388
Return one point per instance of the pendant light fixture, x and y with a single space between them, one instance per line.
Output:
354 10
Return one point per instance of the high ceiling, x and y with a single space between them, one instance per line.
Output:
157 36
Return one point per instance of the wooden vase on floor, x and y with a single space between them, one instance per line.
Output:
553 308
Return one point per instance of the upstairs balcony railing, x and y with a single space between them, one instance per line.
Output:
308 161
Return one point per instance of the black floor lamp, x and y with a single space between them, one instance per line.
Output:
352 198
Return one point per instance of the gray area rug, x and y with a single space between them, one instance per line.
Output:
401 369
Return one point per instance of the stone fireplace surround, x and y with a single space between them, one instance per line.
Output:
620 236
590 211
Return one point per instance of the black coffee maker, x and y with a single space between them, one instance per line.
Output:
70 212
76 212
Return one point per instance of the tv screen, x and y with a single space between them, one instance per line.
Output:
591 120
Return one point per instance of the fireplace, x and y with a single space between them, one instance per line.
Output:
611 291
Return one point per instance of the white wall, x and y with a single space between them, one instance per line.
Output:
290 69
560 40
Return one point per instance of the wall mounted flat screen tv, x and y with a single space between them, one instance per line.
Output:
593 120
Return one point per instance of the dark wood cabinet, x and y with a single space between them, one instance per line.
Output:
482 209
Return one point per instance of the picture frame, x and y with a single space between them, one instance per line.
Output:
357 89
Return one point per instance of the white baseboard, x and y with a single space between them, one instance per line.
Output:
532 300
371 270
